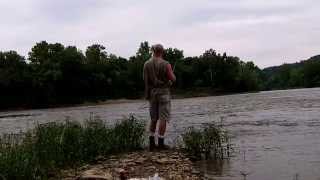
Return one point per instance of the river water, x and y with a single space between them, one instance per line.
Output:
276 134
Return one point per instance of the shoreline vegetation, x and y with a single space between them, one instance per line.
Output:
72 150
176 94
56 75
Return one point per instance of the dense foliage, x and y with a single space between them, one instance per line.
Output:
211 141
53 74
297 75
42 152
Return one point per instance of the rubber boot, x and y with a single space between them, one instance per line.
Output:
152 143
161 145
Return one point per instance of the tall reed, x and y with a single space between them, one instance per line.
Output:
41 152
210 141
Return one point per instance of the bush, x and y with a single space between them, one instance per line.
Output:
211 141
40 153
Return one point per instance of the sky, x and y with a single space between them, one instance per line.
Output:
267 32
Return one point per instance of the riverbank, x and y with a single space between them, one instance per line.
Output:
169 165
70 150
43 151
176 94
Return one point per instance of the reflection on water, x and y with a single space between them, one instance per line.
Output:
276 134
214 167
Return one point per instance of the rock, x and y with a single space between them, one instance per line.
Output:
122 173
95 174
196 172
170 165
100 158
95 177
129 164
84 167
151 167
119 170
186 169
93 171
140 160
174 157
163 161
125 161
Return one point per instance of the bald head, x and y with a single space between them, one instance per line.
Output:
157 50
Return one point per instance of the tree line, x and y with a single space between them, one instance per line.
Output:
302 74
54 74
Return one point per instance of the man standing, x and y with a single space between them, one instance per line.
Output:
158 77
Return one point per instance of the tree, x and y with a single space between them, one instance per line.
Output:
311 73
143 53
173 55
96 54
248 78
14 81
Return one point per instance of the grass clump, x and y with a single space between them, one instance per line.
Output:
211 141
41 152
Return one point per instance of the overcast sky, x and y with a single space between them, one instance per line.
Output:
268 32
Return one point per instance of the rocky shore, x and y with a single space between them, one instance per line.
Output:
140 165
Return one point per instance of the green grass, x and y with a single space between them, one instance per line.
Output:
41 152
211 141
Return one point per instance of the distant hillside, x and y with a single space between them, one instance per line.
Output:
315 58
292 65
305 73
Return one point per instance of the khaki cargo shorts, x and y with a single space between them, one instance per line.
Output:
160 106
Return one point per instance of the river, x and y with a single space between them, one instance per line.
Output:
276 134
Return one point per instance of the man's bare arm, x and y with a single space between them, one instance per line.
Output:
170 73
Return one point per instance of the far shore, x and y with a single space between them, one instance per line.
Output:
177 94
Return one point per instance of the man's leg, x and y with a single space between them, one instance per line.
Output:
153 124
162 131
152 143
164 115
162 127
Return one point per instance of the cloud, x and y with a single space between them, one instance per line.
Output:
266 32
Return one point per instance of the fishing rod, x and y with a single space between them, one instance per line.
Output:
174 66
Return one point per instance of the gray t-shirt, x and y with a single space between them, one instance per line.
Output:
155 76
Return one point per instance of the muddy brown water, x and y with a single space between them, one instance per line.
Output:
276 133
